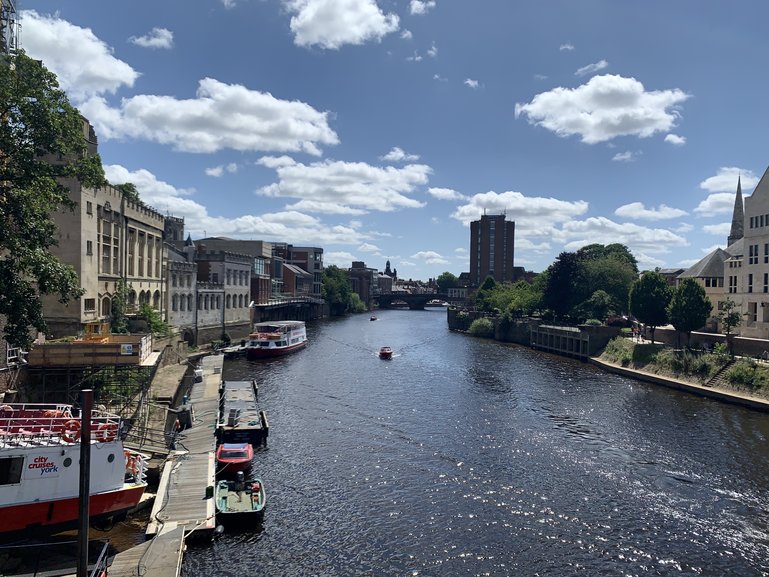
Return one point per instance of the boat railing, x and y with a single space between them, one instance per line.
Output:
36 422
136 465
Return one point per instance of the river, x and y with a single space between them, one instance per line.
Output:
462 456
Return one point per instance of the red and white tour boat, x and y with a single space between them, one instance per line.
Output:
276 338
40 468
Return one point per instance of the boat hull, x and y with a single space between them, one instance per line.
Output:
58 515
256 353
245 505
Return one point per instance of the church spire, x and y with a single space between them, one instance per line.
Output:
738 217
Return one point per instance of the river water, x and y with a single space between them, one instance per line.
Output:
462 456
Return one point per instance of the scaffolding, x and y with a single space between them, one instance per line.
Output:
9 27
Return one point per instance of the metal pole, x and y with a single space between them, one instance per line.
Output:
86 406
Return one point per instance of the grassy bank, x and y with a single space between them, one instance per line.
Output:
744 376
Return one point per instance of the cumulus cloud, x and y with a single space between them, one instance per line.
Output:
275 161
602 230
397 154
445 194
471 83
440 78
432 51
342 259
221 116
637 210
367 247
331 24
726 178
286 226
568 47
421 6
675 139
717 203
414 58
217 171
336 187
406 35
604 108
591 68
720 229
430 257
535 216
84 65
156 38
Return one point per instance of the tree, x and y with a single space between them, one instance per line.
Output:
689 308
598 306
728 316
484 297
560 284
649 299
446 281
336 290
41 146
129 192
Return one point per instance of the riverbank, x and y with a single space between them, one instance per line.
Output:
719 394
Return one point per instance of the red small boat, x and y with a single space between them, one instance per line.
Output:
234 457
385 353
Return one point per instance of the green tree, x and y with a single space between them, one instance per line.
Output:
336 290
446 280
484 296
689 308
41 147
129 191
649 299
119 320
598 306
157 326
728 315
560 285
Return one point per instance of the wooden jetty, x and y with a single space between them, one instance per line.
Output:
185 492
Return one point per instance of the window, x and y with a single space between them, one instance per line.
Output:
732 284
89 247
215 278
89 207
750 283
766 282
10 470
173 280
753 254
174 303
89 305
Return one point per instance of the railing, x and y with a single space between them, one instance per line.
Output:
52 423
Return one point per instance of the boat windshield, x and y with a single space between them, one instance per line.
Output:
233 454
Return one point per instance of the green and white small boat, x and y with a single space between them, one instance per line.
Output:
240 499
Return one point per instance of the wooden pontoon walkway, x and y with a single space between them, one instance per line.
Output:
184 506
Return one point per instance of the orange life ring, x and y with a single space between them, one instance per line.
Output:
106 432
52 414
71 432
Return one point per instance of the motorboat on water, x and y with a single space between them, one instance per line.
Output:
234 457
385 353
373 318
275 339
241 499
40 473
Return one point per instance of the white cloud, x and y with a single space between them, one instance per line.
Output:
83 64
228 4
220 116
675 139
717 203
337 187
218 171
591 68
637 210
287 226
540 77
462 251
721 229
406 35
275 161
726 178
331 24
415 58
156 38
533 216
683 228
445 194
627 156
342 259
566 46
604 108
430 257
432 51
367 247
471 83
397 154
605 231
421 6
440 78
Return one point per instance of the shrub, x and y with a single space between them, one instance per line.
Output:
746 373
619 351
482 328
593 323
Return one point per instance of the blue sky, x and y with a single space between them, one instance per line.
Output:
379 129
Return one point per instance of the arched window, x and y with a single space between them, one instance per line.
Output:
174 303
106 307
156 300
228 301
